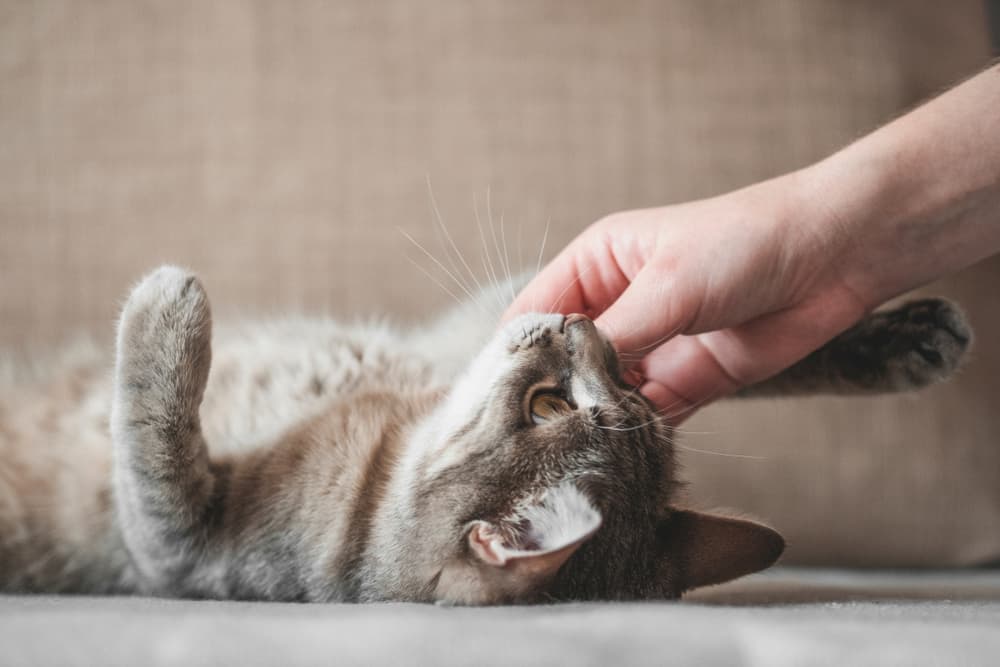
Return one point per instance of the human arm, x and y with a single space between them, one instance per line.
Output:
705 297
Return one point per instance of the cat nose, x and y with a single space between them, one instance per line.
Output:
581 329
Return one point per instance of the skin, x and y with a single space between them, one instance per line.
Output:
822 246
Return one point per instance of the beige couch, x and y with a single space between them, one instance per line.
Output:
278 148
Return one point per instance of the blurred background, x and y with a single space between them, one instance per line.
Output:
281 149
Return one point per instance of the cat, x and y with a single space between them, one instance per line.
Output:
455 463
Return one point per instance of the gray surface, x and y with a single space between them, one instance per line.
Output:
788 617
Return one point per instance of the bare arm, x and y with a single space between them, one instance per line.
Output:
709 296
921 195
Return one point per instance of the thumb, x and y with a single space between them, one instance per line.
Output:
557 286
647 314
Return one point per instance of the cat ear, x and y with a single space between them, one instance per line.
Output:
514 559
705 549
537 563
544 534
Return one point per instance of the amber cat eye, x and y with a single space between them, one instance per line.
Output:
546 406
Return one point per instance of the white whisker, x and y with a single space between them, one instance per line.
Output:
568 287
485 254
685 432
451 240
655 420
689 408
626 396
676 444
435 280
436 261
520 254
506 254
726 454
541 251
443 246
656 343
493 234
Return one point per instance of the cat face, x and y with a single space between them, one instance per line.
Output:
552 478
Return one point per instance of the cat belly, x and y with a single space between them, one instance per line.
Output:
268 378
57 530
57 527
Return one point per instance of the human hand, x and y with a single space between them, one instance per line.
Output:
703 298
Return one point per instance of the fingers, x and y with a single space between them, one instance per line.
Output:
584 278
683 375
674 407
691 371
557 284
646 315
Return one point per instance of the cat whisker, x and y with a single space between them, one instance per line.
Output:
448 257
541 251
485 254
687 409
555 306
506 253
656 343
520 253
451 240
655 420
434 279
496 240
626 396
683 431
714 453
437 262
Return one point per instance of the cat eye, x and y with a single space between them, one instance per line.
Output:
546 406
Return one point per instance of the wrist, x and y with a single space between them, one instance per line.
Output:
918 198
846 202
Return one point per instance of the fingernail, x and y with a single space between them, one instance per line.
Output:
633 377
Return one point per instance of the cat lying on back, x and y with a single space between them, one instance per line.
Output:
319 462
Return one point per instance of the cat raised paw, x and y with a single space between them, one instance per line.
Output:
165 330
904 348
911 346
161 462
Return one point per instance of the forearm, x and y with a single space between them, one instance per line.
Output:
918 198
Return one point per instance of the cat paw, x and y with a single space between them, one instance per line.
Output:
533 329
918 343
165 330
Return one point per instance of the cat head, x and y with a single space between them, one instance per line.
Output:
550 478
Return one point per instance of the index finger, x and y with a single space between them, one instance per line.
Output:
556 288
581 279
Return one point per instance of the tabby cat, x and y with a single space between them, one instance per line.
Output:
319 462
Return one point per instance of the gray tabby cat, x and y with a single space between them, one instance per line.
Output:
318 462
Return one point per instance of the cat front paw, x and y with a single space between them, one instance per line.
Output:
164 334
919 342
533 329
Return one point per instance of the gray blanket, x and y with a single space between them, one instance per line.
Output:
784 617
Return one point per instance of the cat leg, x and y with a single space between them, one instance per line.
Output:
899 349
162 479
